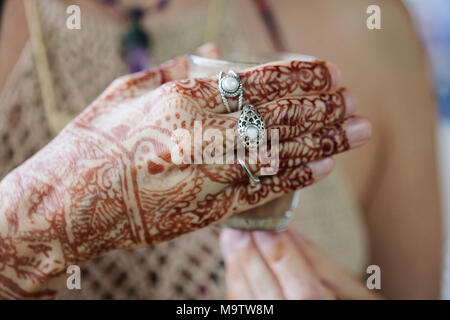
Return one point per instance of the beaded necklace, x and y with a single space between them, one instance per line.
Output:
136 41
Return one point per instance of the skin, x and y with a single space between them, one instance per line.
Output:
13 19
111 182
403 217
396 97
284 265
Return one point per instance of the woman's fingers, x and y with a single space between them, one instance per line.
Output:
343 284
237 285
307 111
325 142
298 152
248 276
287 78
294 116
265 83
287 180
299 114
316 131
295 275
276 265
269 265
264 265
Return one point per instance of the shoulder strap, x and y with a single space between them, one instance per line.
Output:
55 117
273 28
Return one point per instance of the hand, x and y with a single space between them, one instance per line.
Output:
107 181
267 265
130 129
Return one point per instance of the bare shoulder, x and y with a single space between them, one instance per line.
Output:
13 36
385 68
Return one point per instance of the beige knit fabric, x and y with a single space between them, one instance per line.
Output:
83 62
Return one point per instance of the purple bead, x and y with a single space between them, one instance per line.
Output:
138 59
162 4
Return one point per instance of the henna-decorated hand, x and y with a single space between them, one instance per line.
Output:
107 181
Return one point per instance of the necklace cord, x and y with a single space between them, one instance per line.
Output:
272 25
56 118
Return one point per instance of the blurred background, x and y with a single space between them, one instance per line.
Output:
432 19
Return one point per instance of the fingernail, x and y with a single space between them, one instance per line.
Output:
351 103
321 168
358 131
232 240
335 74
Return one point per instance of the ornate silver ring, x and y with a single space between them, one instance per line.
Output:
251 127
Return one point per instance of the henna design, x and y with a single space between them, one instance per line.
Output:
297 115
305 111
288 180
107 181
319 144
276 81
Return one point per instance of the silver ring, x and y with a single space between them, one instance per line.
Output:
230 86
253 178
251 127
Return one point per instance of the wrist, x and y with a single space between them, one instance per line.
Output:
59 208
30 251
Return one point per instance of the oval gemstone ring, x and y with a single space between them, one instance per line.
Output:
230 85
251 127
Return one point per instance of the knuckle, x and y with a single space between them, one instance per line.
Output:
171 90
114 86
171 87
120 81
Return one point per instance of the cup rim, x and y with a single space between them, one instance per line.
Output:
211 62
